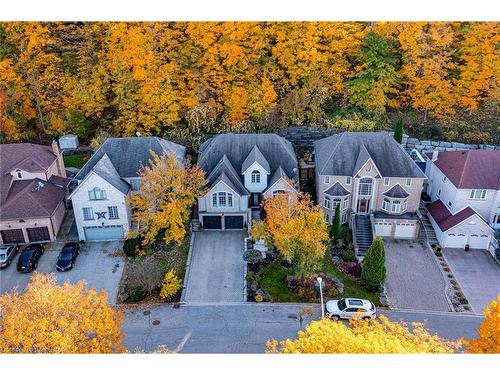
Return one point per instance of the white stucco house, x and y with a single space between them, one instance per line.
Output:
107 179
242 170
464 187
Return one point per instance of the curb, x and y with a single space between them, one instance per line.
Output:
446 282
188 263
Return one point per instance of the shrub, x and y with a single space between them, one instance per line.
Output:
373 268
259 298
351 268
170 285
252 256
464 301
348 256
336 229
145 273
135 295
131 246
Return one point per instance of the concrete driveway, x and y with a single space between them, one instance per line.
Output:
95 264
477 274
216 267
414 280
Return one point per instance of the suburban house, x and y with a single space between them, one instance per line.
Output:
242 170
464 187
374 181
107 179
33 188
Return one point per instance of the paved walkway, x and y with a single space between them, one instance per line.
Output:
477 274
217 267
414 280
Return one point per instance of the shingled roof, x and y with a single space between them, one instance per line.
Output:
337 190
344 153
105 169
396 192
29 157
445 219
471 169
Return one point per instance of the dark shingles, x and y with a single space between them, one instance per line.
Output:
26 156
337 190
255 156
105 169
396 192
445 219
225 167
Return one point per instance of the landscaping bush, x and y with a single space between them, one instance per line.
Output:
373 268
135 295
348 256
145 273
464 301
351 268
171 285
252 256
131 246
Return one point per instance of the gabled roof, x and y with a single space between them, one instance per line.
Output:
129 155
471 169
445 219
337 190
105 169
278 173
255 156
396 192
29 157
225 172
341 154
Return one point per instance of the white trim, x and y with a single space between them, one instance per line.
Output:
475 214
82 182
281 178
369 159
252 167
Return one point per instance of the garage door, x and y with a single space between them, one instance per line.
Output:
38 234
456 241
212 222
106 233
12 236
479 242
404 230
383 229
233 222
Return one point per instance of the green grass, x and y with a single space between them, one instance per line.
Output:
273 280
75 161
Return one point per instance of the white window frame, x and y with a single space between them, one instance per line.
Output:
326 202
396 206
327 218
255 177
405 205
386 203
214 200
327 179
370 190
346 203
348 180
95 192
336 202
408 182
477 194
113 213
278 191
387 181
19 174
222 199
89 210
439 193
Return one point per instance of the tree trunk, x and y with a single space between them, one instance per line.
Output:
425 115
34 88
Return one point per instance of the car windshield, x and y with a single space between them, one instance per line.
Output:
65 255
25 255
342 304
2 256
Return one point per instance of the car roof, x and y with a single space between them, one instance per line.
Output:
356 302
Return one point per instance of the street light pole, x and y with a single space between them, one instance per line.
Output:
320 280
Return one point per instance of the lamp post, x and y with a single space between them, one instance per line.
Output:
320 280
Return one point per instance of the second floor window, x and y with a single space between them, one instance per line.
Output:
113 212
222 199
365 186
19 174
88 213
477 194
387 181
326 203
348 180
255 177
336 202
408 182
385 204
327 179
97 194
396 206
346 203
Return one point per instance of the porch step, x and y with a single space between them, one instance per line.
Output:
426 230
364 235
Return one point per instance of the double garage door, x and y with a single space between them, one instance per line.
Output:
35 234
460 240
105 233
230 222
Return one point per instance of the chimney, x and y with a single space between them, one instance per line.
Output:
434 155
60 162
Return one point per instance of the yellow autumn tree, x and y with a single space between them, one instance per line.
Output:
376 336
489 331
51 318
170 284
163 202
297 228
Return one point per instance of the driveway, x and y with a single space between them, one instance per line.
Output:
414 280
216 267
477 274
96 264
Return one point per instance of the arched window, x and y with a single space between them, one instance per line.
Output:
278 192
19 174
255 177
365 186
97 194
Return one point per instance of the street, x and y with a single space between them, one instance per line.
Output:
245 328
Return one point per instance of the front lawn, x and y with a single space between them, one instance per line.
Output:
272 280
75 161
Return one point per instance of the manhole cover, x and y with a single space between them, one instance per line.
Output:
155 322
146 313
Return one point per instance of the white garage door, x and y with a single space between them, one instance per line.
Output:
383 229
479 242
404 230
106 233
455 240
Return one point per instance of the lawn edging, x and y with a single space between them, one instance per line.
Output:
192 235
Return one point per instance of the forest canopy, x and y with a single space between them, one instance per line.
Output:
183 79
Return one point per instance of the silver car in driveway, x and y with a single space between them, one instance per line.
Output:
347 308
7 254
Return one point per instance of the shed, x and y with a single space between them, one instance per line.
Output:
68 142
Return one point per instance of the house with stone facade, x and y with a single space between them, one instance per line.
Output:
107 179
374 181
464 187
242 170
33 188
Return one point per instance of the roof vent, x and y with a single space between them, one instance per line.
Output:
38 186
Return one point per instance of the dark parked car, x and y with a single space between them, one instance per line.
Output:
28 260
67 256
7 253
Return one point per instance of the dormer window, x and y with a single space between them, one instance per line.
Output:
327 179
19 174
97 194
477 194
255 177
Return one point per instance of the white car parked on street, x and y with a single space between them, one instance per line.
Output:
347 308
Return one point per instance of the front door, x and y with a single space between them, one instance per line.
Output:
363 205
255 199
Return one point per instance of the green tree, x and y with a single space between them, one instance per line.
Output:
336 228
398 131
373 267
377 77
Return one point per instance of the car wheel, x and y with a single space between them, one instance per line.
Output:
335 317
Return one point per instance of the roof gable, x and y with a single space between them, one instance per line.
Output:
396 192
105 169
337 190
29 157
446 220
255 156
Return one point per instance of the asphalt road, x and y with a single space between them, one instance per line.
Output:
245 328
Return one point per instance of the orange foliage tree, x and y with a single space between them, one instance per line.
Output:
489 331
